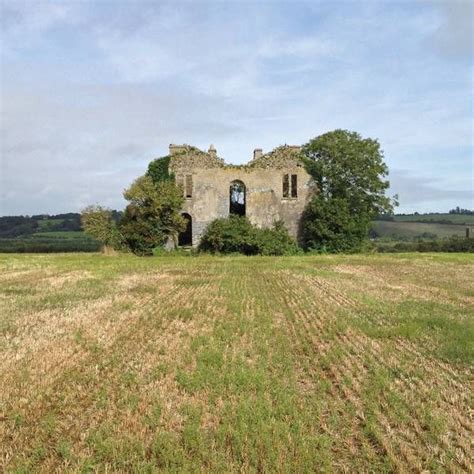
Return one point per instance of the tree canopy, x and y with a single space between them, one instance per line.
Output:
350 174
152 214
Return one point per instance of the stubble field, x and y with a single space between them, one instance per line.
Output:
252 364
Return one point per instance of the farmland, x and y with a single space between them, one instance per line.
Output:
342 363
409 230
461 219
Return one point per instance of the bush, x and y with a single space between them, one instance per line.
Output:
236 234
276 241
97 222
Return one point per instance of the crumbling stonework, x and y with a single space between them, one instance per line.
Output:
277 186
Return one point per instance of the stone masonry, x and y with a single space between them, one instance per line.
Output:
277 186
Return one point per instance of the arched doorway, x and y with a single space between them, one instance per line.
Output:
185 238
237 198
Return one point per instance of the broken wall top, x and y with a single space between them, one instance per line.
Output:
187 157
284 156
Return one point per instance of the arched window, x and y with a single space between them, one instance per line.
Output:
186 237
237 198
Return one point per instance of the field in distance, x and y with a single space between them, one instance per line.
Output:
411 230
302 364
462 219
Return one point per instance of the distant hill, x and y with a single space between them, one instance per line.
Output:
425 226
45 233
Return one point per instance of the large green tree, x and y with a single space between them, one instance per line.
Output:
152 214
350 174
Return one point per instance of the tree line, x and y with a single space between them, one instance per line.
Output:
17 226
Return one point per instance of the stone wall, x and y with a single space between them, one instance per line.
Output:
263 179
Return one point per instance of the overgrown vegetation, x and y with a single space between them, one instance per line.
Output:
152 215
236 364
350 174
158 170
236 234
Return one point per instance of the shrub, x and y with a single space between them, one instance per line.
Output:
97 222
236 234
276 241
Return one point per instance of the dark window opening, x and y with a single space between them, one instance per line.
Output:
186 237
237 198
189 186
294 185
286 186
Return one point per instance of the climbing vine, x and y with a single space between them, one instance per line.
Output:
158 170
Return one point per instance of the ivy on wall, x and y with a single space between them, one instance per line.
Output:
158 170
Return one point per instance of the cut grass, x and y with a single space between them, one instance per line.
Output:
301 364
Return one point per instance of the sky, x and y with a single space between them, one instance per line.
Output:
91 92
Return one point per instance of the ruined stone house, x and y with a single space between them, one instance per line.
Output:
271 187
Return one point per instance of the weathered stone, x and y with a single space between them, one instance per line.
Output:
265 202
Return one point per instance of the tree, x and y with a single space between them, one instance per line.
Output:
97 222
152 214
349 172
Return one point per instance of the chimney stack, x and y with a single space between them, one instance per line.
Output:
212 151
257 153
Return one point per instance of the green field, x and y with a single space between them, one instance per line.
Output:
53 241
462 219
236 364
62 234
409 230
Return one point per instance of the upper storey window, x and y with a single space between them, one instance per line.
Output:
294 185
290 186
186 184
286 186
188 188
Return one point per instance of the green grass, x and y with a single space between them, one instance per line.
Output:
356 363
63 234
